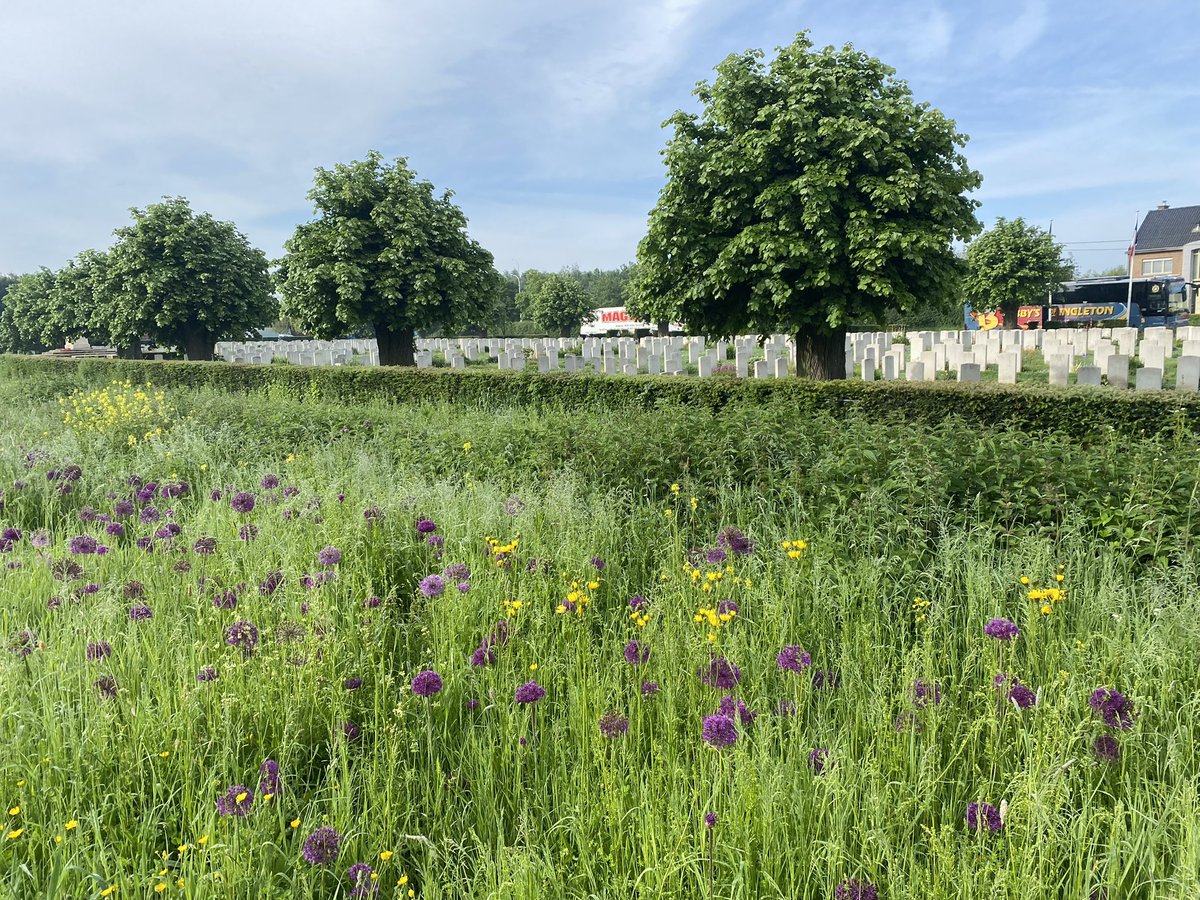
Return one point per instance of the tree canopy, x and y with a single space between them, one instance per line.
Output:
185 279
384 252
26 324
1014 264
810 191
559 304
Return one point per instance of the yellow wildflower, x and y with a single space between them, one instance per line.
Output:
385 855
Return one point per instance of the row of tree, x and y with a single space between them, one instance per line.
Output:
811 193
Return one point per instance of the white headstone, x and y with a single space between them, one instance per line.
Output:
1089 375
1148 378
1118 370
1187 375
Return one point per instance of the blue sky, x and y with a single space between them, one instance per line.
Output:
544 118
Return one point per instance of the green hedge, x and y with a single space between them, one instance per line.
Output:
1080 412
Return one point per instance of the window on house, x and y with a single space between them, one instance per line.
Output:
1157 266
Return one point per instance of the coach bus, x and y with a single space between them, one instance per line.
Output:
1101 301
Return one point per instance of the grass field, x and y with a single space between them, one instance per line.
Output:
822 585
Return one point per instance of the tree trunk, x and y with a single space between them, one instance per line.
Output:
395 346
664 328
821 354
130 351
198 347
568 331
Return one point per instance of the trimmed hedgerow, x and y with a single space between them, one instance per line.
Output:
1078 412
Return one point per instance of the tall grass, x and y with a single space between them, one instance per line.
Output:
467 809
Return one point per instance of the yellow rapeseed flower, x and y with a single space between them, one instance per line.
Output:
15 833
15 811
72 825
109 891
385 855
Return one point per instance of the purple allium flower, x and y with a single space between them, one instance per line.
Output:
856 889
90 588
98 650
82 544
149 514
463 586
330 556
710 820
433 585
54 603
785 708
207 673
242 635
637 602
236 801
351 731
86 514
1106 748
352 684
793 658
736 710
288 632
598 563
138 613
613 725
530 692
373 514
291 491
829 679
177 489
271 583
636 653
522 742
205 546
925 693
242 502
907 722
819 760
131 590
145 543
649 688
727 608
107 686
248 532
483 656
268 774
147 491
39 539
498 635
715 556
182 567
457 572
360 876
732 539
269 482
23 642
1113 707
372 602
114 529
983 815
437 542
1021 695
321 847
427 683
225 599
472 704
1001 629
426 526
215 494
513 505
720 673
719 731
123 509
65 570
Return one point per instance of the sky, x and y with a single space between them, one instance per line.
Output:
545 119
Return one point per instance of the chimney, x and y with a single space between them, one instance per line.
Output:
1164 205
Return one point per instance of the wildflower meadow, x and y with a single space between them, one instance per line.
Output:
258 646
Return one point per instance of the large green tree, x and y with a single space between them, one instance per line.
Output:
26 322
185 279
809 192
559 304
384 253
1013 264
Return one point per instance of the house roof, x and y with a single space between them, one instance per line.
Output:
1168 229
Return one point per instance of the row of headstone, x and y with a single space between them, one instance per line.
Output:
1095 355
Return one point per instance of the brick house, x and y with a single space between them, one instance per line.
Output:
1168 243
